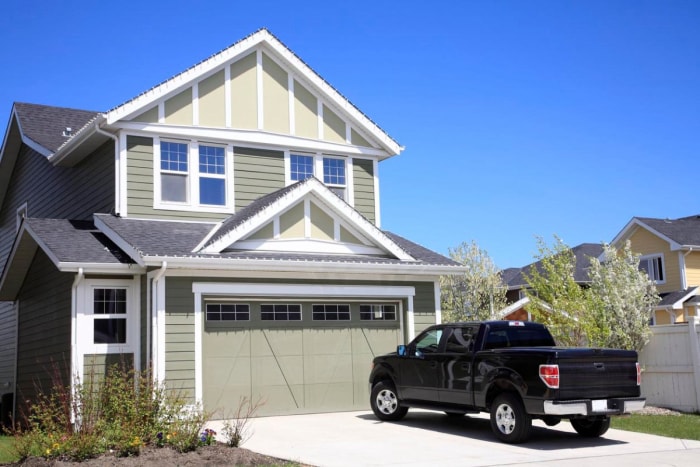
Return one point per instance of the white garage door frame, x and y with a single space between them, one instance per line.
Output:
289 290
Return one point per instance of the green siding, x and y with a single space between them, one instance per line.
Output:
363 180
50 192
179 335
257 172
424 305
44 350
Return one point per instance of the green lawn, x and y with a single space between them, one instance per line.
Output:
684 426
6 455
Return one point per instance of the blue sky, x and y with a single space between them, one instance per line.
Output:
520 119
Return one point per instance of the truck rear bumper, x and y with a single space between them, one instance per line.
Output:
588 407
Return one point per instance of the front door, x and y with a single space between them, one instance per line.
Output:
420 372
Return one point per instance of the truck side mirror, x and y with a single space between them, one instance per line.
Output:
401 350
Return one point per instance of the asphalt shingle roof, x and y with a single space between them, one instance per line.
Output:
668 299
684 231
45 125
515 278
179 239
72 241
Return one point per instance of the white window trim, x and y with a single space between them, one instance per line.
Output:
663 266
84 321
193 178
318 158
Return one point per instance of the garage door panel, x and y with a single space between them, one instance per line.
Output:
328 369
327 341
278 370
279 399
227 344
333 396
277 342
375 341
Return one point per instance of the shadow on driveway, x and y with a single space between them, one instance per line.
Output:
479 428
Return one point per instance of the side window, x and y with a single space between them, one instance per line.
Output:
461 340
430 342
496 339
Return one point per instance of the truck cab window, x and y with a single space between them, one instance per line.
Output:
461 340
429 343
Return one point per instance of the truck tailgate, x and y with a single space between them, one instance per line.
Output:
597 373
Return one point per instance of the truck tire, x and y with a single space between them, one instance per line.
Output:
591 428
509 420
385 403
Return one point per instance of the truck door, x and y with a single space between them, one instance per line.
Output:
420 371
457 366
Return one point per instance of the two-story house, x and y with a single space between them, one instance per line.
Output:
222 228
670 254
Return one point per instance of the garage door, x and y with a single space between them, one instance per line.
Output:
297 357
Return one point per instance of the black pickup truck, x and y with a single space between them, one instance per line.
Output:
511 369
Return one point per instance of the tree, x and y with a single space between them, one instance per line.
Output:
478 293
623 299
556 299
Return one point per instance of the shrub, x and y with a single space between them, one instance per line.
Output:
120 411
237 428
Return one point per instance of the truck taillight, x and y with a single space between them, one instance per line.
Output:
549 374
639 375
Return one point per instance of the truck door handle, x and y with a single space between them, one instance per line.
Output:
465 366
433 364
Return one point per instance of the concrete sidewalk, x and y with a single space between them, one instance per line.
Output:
430 438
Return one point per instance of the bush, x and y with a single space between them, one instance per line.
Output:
121 412
237 428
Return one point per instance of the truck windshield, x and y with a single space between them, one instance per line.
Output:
518 337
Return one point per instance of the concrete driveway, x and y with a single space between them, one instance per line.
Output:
430 438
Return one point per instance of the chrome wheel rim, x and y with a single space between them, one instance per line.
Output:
505 419
386 402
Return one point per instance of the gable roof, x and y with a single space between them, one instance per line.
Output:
153 242
676 299
679 233
69 244
44 126
515 278
264 208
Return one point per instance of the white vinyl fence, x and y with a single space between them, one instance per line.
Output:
671 366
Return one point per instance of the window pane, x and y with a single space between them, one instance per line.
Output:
109 301
334 171
302 167
173 188
212 191
173 156
110 331
228 312
211 160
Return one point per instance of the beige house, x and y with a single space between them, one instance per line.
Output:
670 253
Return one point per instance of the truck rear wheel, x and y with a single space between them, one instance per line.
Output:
591 428
509 420
385 403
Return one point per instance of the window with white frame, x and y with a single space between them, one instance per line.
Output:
333 170
378 312
653 265
173 172
330 312
109 315
212 175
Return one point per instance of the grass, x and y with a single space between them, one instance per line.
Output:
686 426
6 452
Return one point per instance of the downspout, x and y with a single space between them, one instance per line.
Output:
154 331
76 366
117 173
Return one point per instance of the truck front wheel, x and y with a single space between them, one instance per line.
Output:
591 428
509 420
385 403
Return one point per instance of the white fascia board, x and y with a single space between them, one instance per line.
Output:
634 223
146 99
679 303
76 140
256 137
302 290
513 306
299 266
101 268
25 139
118 240
308 245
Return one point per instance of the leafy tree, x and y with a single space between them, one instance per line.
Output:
623 299
556 299
478 293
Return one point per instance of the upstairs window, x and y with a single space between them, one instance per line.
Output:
654 267
302 167
212 175
334 175
173 172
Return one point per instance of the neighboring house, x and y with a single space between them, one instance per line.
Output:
670 254
222 228
516 282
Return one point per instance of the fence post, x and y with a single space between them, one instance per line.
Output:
693 323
